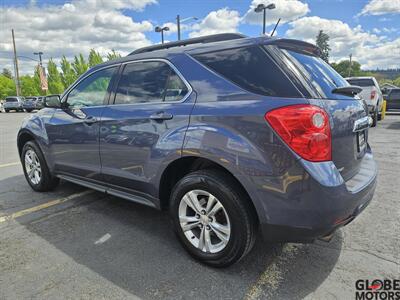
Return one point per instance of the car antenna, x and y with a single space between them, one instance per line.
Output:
276 25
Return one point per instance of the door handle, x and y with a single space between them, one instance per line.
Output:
90 120
161 116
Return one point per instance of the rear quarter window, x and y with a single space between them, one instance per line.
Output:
251 69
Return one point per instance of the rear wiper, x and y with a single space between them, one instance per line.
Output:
350 90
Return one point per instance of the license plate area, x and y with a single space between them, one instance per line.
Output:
361 141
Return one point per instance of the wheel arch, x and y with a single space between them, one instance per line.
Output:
182 166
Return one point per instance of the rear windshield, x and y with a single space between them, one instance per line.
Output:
314 74
361 82
30 99
11 100
251 69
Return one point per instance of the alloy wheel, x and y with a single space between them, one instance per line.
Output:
204 221
32 167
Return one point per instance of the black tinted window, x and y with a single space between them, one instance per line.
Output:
11 100
361 82
150 81
320 76
252 69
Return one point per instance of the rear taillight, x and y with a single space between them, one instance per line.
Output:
373 93
305 129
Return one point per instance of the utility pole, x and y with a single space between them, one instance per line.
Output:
178 25
18 88
350 65
40 57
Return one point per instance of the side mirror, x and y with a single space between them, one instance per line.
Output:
52 101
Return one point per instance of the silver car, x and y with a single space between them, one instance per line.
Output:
13 103
371 94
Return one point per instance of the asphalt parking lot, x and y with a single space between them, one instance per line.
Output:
79 244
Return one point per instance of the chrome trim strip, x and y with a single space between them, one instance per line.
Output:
361 124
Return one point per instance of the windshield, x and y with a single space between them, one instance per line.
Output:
30 99
361 82
11 100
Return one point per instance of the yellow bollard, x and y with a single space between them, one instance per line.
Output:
383 112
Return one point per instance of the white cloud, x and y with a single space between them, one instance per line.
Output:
287 10
369 49
70 29
220 21
381 7
376 30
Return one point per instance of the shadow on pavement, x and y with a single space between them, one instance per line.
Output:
143 256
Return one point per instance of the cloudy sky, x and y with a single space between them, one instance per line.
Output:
369 29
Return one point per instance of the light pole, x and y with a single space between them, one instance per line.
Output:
40 57
178 24
263 8
162 29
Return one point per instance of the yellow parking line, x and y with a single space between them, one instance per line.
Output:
10 164
42 206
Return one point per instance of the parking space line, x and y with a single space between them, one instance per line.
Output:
42 206
10 164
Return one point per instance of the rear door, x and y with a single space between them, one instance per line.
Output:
348 115
145 126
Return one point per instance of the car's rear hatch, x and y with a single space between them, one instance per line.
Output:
316 80
367 86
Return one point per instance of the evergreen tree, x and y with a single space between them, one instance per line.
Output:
79 65
68 75
94 58
54 78
322 41
7 73
113 55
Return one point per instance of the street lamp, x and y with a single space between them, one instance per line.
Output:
263 8
162 29
178 24
40 56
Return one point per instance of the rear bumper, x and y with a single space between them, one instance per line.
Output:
318 209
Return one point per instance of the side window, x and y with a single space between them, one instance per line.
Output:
251 69
92 90
149 81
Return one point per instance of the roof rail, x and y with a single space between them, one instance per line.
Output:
198 40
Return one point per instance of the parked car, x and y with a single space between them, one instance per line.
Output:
230 134
13 103
29 104
371 94
39 102
393 99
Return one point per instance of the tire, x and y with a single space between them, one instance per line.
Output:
28 110
375 118
43 181
6 110
235 214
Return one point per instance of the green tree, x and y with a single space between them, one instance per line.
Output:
343 68
68 75
7 87
113 55
54 78
7 73
29 86
322 41
397 81
94 58
79 65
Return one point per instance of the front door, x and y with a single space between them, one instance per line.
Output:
74 130
145 126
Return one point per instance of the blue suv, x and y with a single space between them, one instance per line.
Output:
231 134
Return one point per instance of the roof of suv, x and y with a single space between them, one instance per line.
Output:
208 43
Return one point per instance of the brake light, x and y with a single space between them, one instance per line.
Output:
305 129
373 93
